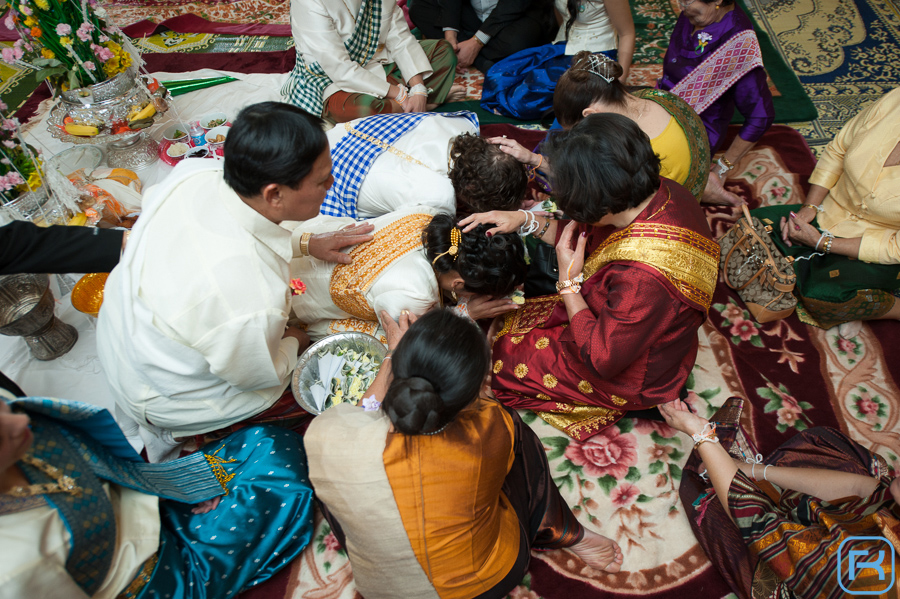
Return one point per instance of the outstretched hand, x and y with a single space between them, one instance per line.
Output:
485 306
679 417
799 230
715 193
570 253
503 221
327 246
516 150
395 329
204 507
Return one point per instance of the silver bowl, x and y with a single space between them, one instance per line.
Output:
307 370
26 310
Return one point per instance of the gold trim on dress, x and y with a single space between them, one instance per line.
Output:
549 381
543 397
585 387
542 343
687 259
618 400
580 421
521 371
498 366
350 282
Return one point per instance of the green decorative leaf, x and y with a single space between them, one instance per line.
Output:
633 475
781 428
607 483
676 455
644 498
657 438
710 393
625 425
656 467
675 471
565 481
773 405
528 416
327 566
800 425
719 307
557 446
756 341
735 339
690 381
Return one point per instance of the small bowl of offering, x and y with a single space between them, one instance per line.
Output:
213 120
336 369
177 132
215 138
198 152
178 150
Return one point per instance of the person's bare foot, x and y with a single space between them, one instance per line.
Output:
598 552
457 94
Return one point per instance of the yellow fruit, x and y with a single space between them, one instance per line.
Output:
78 220
81 130
145 113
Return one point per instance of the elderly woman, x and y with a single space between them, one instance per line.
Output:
844 239
621 334
417 260
359 58
592 84
81 516
715 64
782 527
440 491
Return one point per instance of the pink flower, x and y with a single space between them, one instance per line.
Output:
866 405
103 54
788 416
787 401
84 31
63 29
732 313
9 124
370 404
521 592
658 452
25 10
103 39
10 24
743 328
298 287
846 345
778 191
9 55
89 65
607 452
331 543
645 427
9 143
624 494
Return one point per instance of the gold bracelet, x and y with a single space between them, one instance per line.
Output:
727 162
543 230
814 207
304 244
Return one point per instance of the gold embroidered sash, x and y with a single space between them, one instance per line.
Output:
350 282
687 259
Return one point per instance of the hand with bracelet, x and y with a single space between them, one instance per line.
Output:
570 256
327 246
542 227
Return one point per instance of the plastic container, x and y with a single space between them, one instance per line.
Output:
198 134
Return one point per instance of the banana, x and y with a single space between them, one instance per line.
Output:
81 130
145 113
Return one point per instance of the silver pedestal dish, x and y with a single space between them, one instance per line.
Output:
307 370
26 310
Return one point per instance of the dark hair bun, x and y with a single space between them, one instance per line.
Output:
415 405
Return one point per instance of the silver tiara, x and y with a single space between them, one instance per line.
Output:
599 65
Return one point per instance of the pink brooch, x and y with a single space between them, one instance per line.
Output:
298 287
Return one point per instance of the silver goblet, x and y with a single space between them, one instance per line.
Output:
26 310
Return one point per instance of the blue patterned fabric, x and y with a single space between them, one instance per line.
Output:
263 523
100 442
522 85
353 156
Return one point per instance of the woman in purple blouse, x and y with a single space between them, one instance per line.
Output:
718 27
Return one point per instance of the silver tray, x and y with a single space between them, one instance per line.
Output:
307 370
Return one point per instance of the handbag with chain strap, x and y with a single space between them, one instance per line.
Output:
753 266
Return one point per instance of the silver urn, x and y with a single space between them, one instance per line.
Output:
26 310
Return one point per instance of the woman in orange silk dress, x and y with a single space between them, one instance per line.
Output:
623 337
440 492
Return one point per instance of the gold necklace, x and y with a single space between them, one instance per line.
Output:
63 484
388 147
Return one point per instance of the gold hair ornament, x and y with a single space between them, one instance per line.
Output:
455 239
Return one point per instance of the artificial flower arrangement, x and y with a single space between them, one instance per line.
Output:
20 166
67 42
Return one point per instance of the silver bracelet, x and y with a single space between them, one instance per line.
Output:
764 472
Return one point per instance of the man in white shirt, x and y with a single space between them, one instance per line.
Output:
192 333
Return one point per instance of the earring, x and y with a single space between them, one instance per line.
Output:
453 295
718 7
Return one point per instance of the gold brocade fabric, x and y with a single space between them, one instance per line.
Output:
350 282
533 313
369 327
687 259
580 422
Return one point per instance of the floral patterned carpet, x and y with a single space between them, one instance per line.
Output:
624 482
